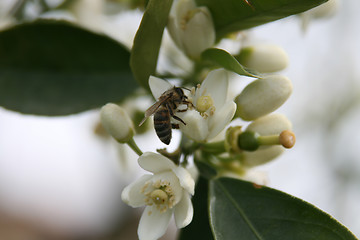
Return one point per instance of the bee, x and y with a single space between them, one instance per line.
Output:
164 109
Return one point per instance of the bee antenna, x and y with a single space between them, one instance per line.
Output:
186 88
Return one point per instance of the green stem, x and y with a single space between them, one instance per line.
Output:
268 140
131 143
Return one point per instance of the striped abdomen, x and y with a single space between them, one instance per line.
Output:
162 125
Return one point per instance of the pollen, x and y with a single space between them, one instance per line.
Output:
204 103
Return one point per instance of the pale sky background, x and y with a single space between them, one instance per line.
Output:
57 172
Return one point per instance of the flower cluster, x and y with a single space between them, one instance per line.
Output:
207 117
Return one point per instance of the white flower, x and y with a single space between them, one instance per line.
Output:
263 96
117 122
212 111
264 58
164 193
191 27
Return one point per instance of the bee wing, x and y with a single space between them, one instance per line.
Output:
151 110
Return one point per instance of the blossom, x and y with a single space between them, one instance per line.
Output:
263 96
191 27
211 111
117 122
164 193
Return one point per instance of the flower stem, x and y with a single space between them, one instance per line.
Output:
131 143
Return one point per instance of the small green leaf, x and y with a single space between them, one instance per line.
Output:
243 210
235 15
147 41
221 58
51 67
199 227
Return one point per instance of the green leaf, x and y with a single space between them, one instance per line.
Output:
205 169
221 58
51 67
235 15
243 210
147 41
199 227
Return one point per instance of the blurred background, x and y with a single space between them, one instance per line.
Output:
61 178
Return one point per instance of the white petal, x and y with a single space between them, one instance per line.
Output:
261 156
153 223
256 176
175 32
216 86
182 7
270 124
221 119
184 211
132 195
185 178
196 126
263 96
155 163
158 86
199 33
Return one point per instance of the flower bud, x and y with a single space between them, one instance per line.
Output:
117 122
263 96
267 125
264 58
191 27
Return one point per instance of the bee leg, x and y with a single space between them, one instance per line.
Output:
179 119
189 104
175 126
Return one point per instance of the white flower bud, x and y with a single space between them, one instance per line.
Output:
270 124
267 125
263 96
191 27
117 122
264 58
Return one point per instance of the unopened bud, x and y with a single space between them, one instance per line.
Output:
191 27
117 122
264 58
263 96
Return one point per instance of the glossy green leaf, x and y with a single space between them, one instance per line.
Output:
199 227
50 67
243 210
147 41
221 58
235 15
